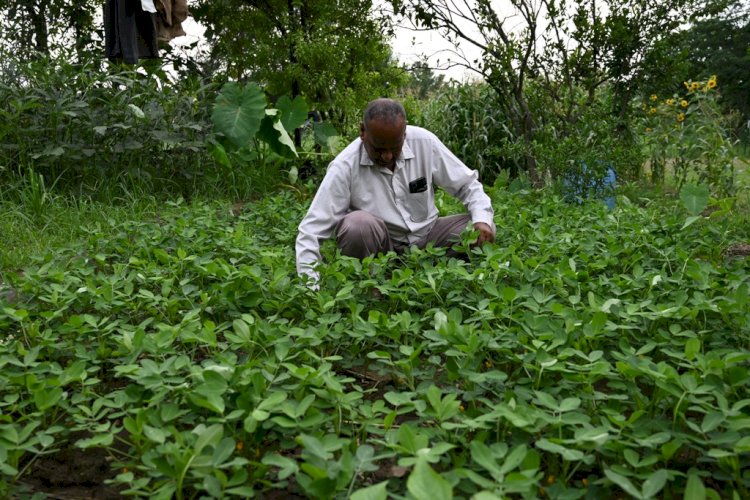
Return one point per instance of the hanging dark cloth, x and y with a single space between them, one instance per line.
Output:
129 31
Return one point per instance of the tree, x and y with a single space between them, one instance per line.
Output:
40 27
719 46
333 53
565 50
423 81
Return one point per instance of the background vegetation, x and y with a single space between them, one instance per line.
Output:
150 314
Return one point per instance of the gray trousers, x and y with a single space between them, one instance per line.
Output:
360 234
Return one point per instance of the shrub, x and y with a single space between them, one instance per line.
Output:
76 122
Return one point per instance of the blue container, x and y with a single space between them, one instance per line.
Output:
600 185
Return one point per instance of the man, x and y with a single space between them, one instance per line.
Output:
378 196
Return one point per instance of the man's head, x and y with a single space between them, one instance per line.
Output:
383 131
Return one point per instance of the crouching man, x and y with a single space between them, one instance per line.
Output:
378 193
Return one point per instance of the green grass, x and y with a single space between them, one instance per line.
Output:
63 221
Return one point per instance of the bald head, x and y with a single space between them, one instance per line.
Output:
386 111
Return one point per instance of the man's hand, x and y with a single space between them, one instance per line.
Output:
485 233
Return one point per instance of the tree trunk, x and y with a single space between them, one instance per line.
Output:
38 17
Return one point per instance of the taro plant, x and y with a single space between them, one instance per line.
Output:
251 132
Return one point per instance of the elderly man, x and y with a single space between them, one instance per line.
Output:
378 195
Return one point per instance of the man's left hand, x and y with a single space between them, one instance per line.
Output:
485 233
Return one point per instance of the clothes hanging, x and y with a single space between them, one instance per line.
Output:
171 15
130 33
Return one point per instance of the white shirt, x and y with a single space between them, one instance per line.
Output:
354 182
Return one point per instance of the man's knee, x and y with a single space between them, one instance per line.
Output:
360 234
359 224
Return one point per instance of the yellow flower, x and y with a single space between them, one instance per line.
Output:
687 85
681 117
652 110
653 97
649 129
684 103
711 83
670 102
695 85
551 479
240 445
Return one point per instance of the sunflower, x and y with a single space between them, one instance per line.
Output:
684 103
649 130
711 82
654 97
681 117
652 110
669 102
695 85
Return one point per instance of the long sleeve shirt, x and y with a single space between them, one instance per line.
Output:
404 201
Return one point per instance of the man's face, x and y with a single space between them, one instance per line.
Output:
383 140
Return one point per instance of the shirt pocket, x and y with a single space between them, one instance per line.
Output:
418 205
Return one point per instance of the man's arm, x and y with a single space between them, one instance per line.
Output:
460 181
328 207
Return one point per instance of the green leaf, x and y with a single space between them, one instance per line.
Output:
138 112
426 484
326 136
623 483
155 434
694 489
482 455
207 436
692 347
286 466
314 446
654 483
690 220
47 399
694 198
408 439
374 492
219 154
238 112
514 459
743 445
566 453
569 404
96 441
273 133
293 113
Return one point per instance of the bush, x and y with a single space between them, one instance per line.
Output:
474 128
82 123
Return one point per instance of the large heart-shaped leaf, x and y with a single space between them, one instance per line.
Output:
238 112
293 112
694 197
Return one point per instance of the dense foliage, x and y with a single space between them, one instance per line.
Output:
80 122
566 53
590 352
334 54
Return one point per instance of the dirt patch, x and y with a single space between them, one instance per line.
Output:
72 473
738 250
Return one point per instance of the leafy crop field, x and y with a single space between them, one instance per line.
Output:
588 354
